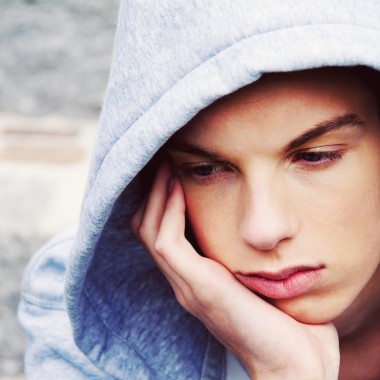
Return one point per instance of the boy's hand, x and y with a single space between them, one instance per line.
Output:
271 344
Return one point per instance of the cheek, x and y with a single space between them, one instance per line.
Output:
357 202
343 219
213 219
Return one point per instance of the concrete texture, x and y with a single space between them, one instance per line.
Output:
54 65
41 183
55 54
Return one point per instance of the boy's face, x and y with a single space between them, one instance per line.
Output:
282 186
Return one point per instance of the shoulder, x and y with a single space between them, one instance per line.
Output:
44 277
51 351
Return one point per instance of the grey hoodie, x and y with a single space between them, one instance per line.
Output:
94 304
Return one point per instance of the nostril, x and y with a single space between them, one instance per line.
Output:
267 217
260 242
266 234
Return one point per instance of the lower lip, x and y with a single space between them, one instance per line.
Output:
295 285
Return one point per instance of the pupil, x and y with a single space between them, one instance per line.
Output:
204 170
311 157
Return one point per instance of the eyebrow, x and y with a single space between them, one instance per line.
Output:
333 124
322 128
195 150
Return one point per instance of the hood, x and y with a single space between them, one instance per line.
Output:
172 59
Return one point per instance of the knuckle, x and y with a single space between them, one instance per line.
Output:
195 300
181 299
161 246
206 294
164 242
185 302
143 231
203 299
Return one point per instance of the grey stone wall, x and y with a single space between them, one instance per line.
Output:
54 65
54 55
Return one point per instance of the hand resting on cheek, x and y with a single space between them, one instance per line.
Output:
270 343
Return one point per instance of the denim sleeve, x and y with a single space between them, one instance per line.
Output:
51 353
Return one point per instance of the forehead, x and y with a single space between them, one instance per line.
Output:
302 98
301 84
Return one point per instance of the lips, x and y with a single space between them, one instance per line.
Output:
288 283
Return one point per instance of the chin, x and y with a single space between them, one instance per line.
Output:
311 313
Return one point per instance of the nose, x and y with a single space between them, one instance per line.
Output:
267 217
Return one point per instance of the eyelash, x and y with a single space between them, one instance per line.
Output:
316 159
213 170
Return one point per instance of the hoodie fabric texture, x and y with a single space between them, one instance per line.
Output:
95 285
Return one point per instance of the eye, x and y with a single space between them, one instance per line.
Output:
316 158
205 171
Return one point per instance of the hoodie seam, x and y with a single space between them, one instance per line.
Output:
204 364
30 296
55 305
78 367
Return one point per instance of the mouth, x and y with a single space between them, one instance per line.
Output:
287 283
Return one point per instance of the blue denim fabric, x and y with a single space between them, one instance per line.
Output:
171 59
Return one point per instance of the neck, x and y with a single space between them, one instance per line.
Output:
359 334
359 353
363 312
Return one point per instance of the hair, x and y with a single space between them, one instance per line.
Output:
371 78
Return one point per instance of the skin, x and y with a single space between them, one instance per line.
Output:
263 194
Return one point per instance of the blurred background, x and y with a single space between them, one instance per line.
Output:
54 64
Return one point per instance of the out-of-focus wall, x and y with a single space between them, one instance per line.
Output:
54 55
54 65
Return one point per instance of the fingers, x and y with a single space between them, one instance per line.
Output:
137 217
171 241
261 335
147 220
172 227
156 202
160 225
